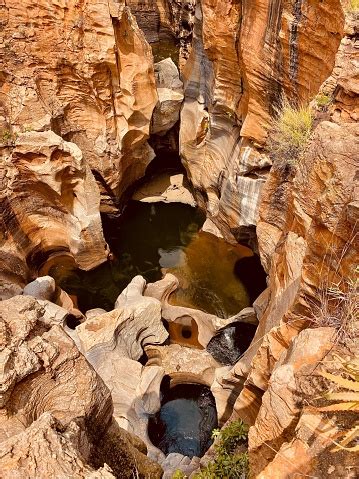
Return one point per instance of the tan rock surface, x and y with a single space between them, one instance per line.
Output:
46 449
50 203
238 69
123 332
170 97
307 241
113 342
80 73
43 371
166 188
88 75
206 324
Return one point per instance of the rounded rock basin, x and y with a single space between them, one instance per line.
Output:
185 421
152 239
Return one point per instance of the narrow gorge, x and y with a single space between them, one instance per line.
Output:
179 239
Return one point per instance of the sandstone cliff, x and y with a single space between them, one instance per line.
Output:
76 101
307 234
239 68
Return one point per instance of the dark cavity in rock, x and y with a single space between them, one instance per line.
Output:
185 421
231 342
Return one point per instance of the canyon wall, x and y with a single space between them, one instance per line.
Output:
77 92
246 56
308 241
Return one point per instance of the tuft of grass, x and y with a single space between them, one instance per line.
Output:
353 6
290 134
8 138
322 100
229 463
338 307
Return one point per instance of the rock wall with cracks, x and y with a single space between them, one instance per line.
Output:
239 69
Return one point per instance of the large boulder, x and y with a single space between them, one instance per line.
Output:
170 97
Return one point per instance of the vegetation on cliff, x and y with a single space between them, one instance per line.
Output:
290 134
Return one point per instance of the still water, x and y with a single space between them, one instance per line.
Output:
152 239
185 421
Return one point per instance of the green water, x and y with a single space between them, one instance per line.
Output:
165 48
150 240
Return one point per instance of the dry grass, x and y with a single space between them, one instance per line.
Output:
353 6
337 303
338 307
290 134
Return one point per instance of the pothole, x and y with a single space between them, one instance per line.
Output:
185 421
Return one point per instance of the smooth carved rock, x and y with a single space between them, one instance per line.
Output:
88 75
50 203
43 371
208 324
166 188
170 97
234 78
123 332
113 342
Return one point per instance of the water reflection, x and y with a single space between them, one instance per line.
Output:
151 239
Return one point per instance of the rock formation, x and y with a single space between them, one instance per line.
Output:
235 77
55 410
85 89
308 243
81 102
50 205
170 97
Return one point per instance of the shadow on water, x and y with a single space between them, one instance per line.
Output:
231 342
252 275
185 421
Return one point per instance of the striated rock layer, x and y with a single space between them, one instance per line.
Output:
238 71
77 92
308 244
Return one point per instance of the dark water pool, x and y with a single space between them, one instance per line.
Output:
151 239
185 422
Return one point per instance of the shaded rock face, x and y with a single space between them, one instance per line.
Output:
238 69
166 20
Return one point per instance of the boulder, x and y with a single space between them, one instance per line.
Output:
170 97
41 288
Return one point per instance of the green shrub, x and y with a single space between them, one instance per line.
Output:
178 475
323 100
290 134
8 138
228 464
